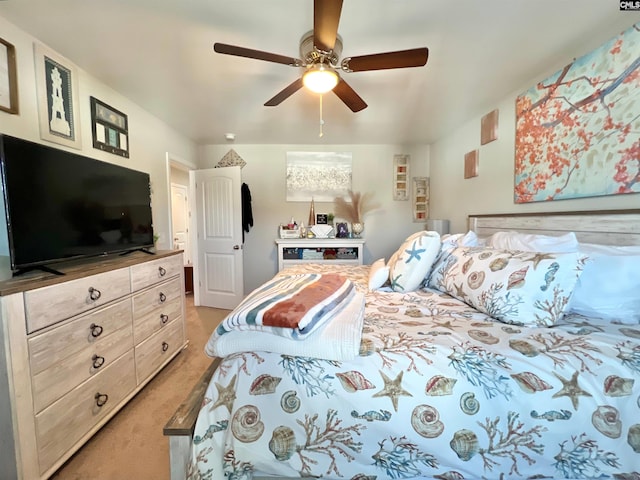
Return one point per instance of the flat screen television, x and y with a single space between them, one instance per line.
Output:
61 205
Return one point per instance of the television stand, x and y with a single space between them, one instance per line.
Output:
142 249
43 268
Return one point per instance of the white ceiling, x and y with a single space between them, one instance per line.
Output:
159 54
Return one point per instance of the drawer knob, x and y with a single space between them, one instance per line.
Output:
164 318
163 297
96 330
98 361
94 293
162 271
165 346
101 399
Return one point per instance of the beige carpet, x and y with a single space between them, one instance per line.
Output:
132 446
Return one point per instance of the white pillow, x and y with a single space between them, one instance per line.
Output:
378 274
529 242
451 241
411 263
609 286
522 288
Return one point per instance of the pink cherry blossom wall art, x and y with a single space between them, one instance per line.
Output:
578 131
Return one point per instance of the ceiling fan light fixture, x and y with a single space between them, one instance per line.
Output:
320 79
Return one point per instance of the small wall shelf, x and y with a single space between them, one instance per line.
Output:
420 199
401 177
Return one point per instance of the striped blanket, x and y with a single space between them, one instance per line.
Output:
291 306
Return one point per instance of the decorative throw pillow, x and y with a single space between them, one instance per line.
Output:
609 286
411 263
451 241
378 274
522 288
531 242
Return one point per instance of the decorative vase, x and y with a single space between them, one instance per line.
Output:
357 228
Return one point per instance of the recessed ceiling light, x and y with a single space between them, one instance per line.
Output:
230 136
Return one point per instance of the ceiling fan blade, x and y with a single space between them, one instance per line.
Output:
256 54
326 16
416 57
285 93
349 96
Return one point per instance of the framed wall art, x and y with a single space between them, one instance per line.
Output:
57 90
321 176
577 130
471 164
8 78
110 129
489 127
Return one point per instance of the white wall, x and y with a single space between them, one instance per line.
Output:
149 137
265 175
453 197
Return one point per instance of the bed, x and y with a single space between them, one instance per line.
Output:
493 366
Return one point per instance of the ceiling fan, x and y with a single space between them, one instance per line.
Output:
320 50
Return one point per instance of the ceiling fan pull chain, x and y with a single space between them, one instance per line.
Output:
321 120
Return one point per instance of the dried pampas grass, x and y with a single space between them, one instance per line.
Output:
355 208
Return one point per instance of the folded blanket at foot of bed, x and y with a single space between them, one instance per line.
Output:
307 315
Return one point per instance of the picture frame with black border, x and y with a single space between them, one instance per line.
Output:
322 219
58 98
342 230
8 78
109 128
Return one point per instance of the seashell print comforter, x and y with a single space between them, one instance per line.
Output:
439 390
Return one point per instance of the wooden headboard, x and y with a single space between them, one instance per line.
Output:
608 227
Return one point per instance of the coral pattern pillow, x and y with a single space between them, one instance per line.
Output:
410 265
378 274
521 288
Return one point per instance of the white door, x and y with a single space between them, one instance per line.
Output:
180 220
218 272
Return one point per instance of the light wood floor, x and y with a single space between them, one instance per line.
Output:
132 446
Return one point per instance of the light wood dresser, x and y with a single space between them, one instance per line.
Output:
74 349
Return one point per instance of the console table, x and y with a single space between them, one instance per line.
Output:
74 349
292 251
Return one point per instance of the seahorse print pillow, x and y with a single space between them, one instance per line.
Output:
521 288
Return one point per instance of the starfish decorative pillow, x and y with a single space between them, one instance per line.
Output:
412 262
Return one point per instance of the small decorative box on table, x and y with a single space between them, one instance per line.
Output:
289 232
348 251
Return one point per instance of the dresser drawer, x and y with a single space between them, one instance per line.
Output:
157 349
48 305
65 422
155 308
69 338
148 273
64 376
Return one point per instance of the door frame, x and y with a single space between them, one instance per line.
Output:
174 161
187 248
